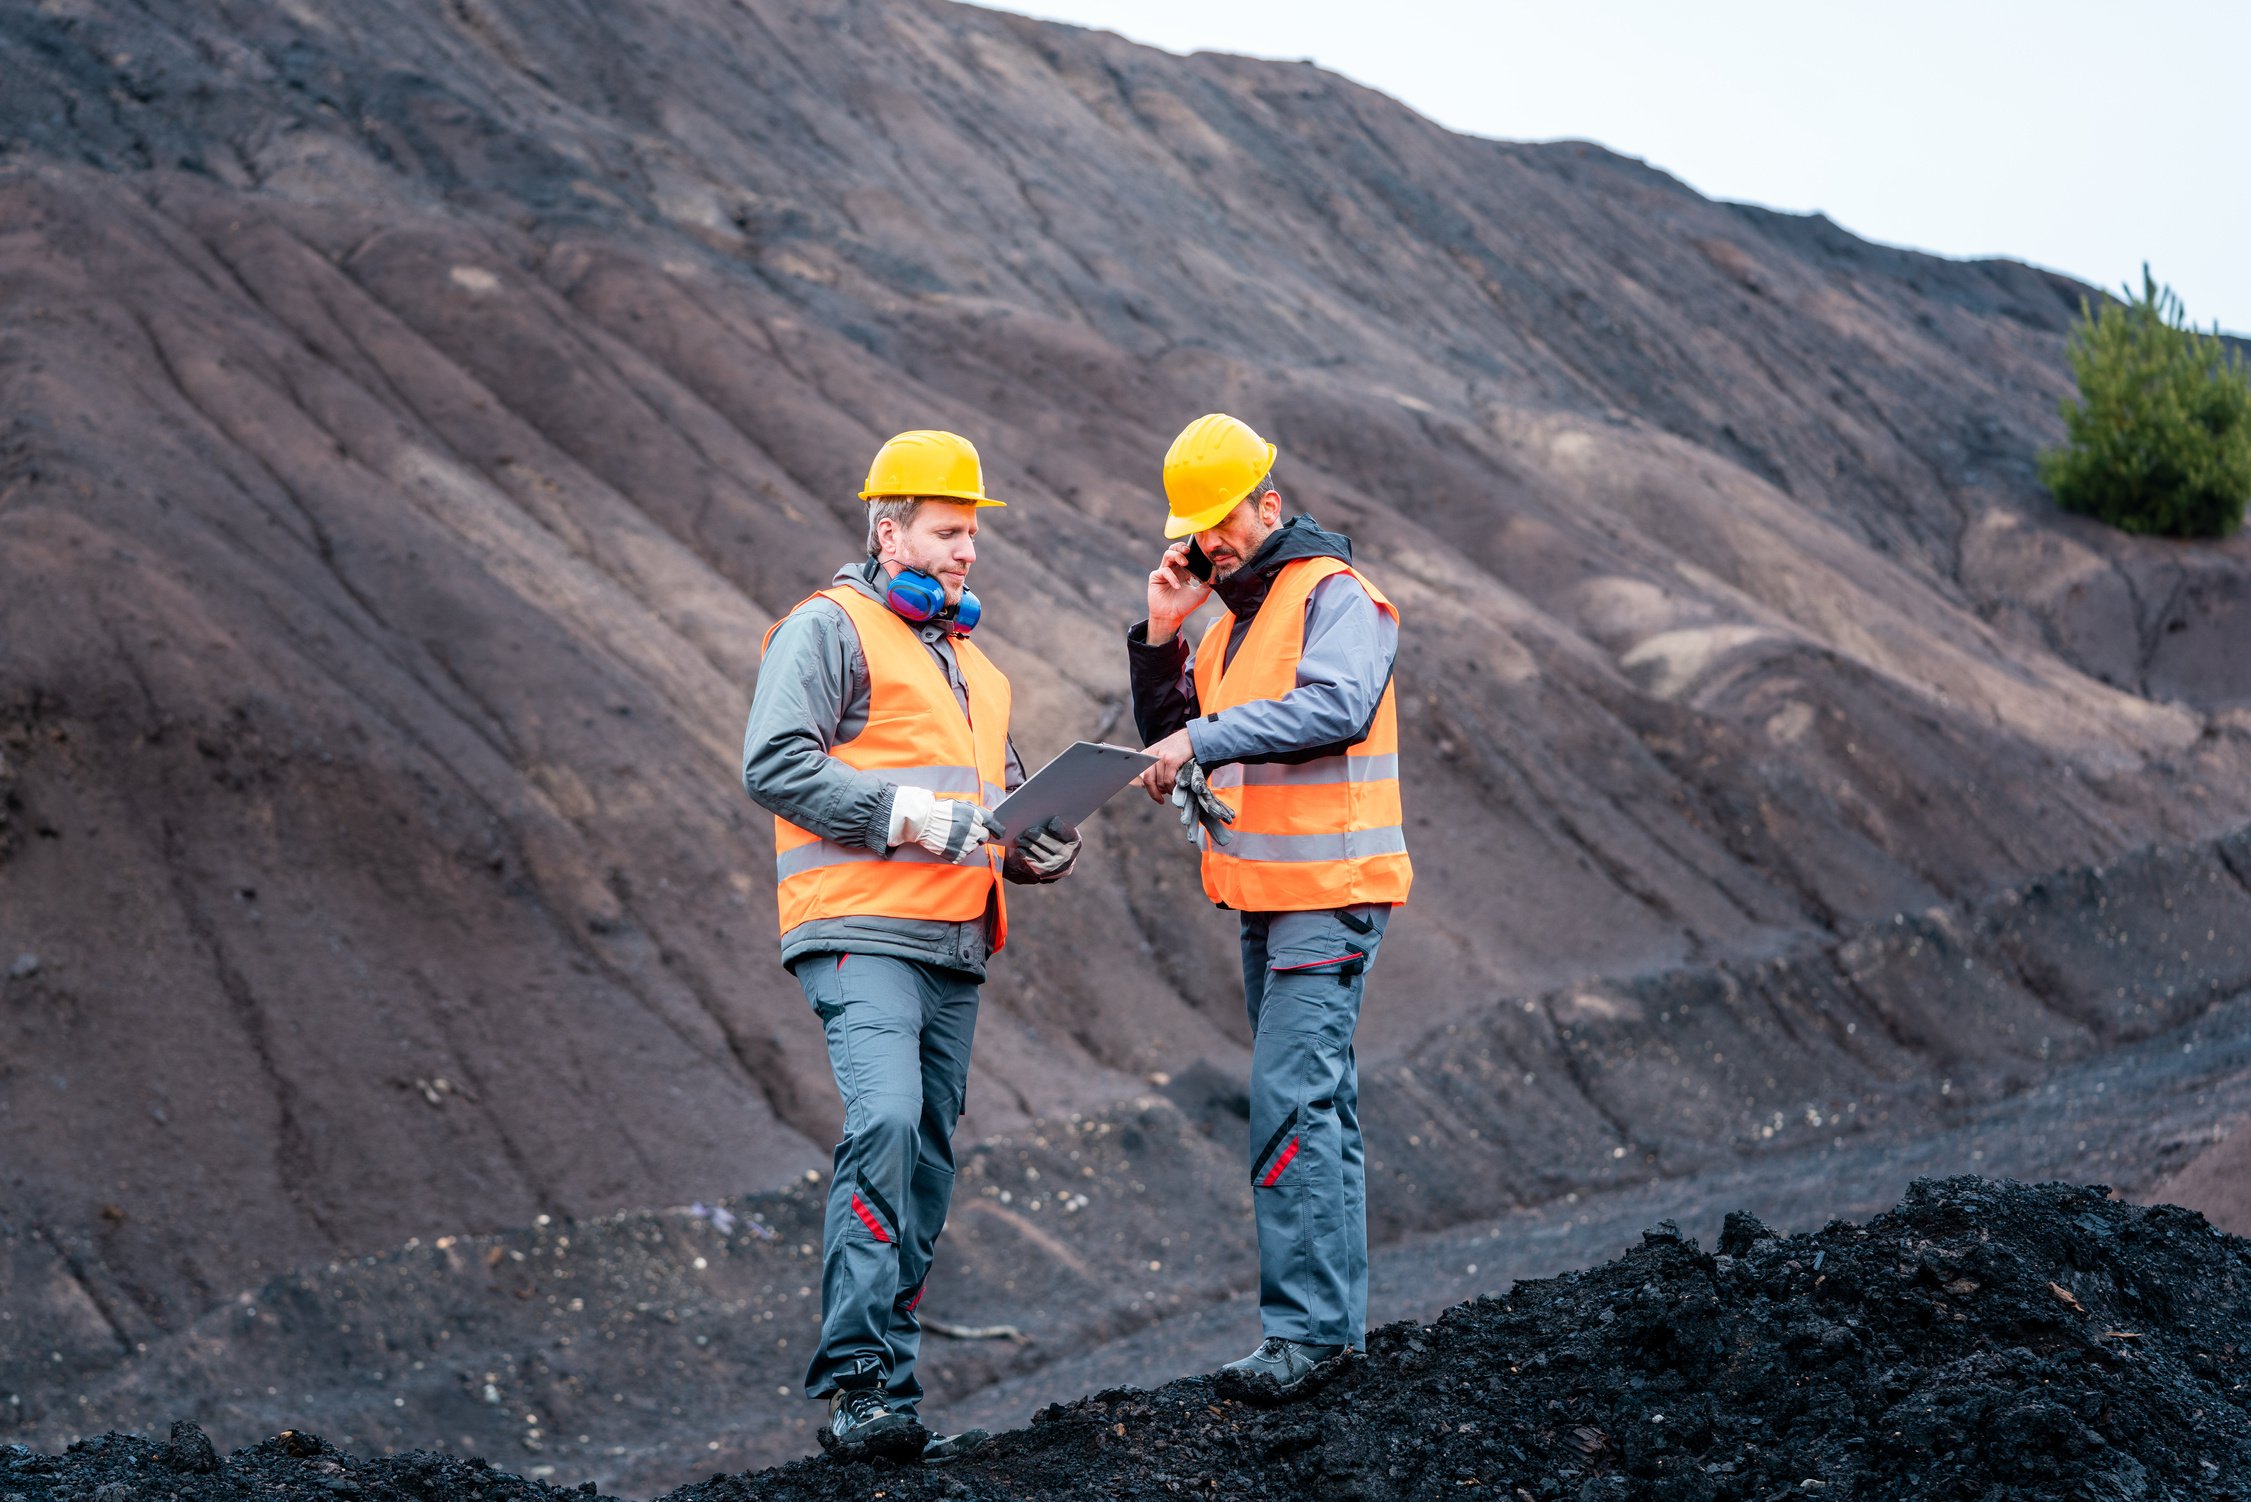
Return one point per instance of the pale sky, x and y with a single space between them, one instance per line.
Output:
2081 136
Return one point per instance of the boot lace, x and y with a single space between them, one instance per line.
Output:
860 1406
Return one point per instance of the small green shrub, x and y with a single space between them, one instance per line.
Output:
2159 439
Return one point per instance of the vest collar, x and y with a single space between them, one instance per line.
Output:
1243 591
869 577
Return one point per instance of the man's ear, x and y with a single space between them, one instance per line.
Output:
1270 508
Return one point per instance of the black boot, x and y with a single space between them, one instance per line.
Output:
945 1447
1278 1369
861 1425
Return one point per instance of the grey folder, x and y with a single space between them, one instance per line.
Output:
1071 787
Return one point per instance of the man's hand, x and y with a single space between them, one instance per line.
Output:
1172 753
1174 594
959 830
1048 848
954 829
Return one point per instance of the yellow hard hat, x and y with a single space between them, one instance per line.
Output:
927 462
1210 467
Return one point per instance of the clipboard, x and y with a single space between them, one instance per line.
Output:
1071 787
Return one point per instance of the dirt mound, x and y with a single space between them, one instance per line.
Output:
116 1467
1983 1339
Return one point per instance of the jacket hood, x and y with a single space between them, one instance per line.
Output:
1243 591
864 576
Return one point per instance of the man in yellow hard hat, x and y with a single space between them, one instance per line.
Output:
878 738
1278 737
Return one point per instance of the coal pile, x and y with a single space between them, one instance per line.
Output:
1983 1339
118 1467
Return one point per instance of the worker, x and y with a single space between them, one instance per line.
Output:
878 738
1278 737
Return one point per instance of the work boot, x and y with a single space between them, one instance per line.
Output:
861 1425
944 1447
1277 1369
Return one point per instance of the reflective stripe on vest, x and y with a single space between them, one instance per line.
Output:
1308 835
915 736
1313 773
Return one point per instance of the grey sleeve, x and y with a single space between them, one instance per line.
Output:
811 674
1349 649
1014 777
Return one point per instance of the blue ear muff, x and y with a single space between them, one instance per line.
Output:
917 597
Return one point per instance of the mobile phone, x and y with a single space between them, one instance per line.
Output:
1198 564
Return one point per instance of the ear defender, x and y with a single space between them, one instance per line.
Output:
917 597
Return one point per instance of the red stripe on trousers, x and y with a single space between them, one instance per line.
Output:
1357 954
1279 1164
916 1299
867 1216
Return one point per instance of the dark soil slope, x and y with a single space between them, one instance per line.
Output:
413 411
1984 1340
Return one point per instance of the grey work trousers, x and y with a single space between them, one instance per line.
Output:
899 1034
1302 979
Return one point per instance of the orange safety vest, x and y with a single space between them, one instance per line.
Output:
916 736
1314 834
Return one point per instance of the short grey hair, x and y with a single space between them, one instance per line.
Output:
1250 496
899 509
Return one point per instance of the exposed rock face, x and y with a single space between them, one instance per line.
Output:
411 415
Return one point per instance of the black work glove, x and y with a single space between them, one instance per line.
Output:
1048 848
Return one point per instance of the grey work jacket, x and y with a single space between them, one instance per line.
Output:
1342 672
812 695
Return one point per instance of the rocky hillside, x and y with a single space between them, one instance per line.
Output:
413 411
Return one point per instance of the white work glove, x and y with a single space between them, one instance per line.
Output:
952 828
1198 804
1048 848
